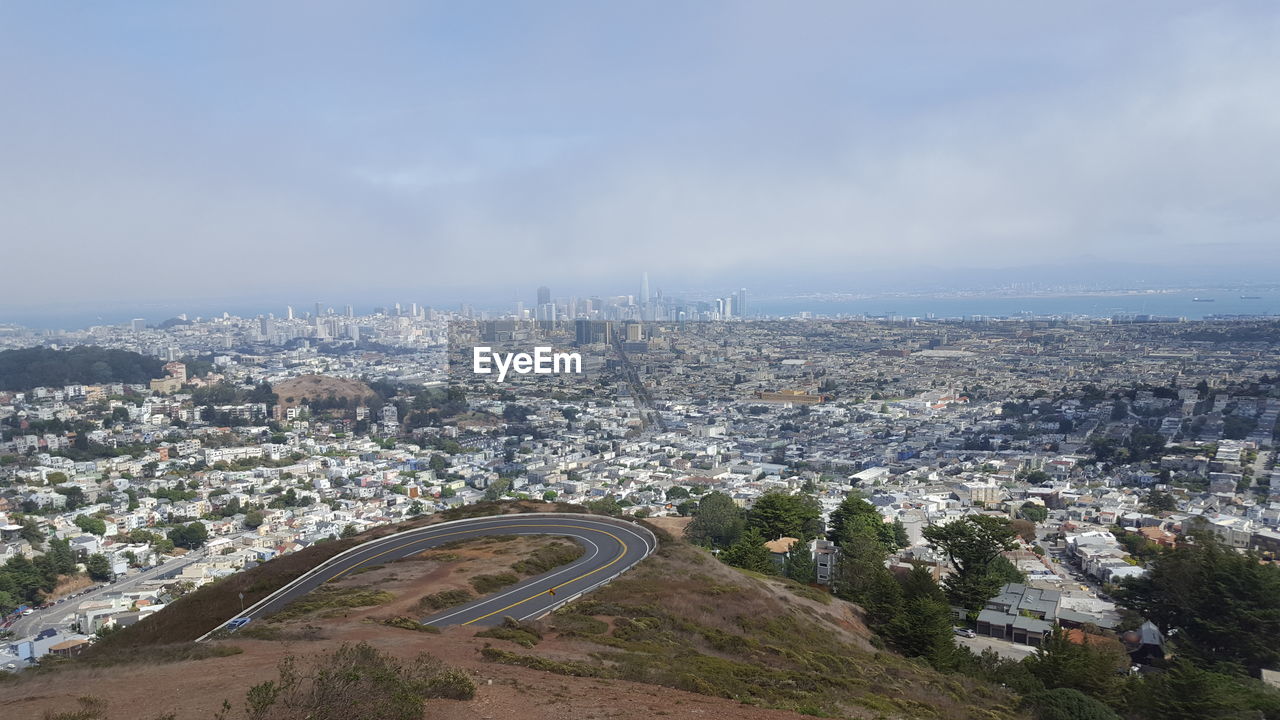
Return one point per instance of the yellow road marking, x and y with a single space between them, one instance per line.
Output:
467 532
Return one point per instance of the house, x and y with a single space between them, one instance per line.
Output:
1020 614
779 549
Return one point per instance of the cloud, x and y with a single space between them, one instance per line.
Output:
231 150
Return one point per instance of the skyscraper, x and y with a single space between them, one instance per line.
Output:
544 295
644 290
740 303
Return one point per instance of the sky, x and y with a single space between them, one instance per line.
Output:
168 152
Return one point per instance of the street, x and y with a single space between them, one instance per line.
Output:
57 616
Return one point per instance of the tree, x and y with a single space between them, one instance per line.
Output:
1159 501
253 519
972 544
1088 667
1187 692
607 505
900 537
416 508
675 492
350 531
497 489
1033 512
1025 529
718 522
55 477
749 553
1224 606
778 515
438 463
98 567
32 533
1067 704
189 536
799 565
923 629
90 524
550 495
854 513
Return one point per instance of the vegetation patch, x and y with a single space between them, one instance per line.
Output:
571 668
333 598
354 682
485 584
571 623
742 641
548 557
514 631
408 623
269 631
445 599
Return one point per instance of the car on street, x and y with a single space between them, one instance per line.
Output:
966 632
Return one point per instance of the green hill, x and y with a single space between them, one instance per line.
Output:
27 368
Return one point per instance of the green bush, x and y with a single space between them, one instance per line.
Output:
1067 704
444 599
515 631
548 557
355 682
485 584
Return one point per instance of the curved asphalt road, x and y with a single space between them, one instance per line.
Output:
612 546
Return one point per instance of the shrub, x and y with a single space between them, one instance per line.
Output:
574 624
444 599
1067 704
333 598
355 682
515 631
485 584
548 557
408 623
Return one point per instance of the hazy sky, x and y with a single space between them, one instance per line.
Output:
225 149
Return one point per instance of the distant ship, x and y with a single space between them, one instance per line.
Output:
1202 300
1250 297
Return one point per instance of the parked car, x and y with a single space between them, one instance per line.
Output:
966 632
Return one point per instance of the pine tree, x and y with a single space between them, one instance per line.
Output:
749 553
799 565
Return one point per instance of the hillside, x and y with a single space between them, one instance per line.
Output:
296 391
28 368
682 635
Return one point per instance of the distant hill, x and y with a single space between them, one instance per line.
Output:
311 388
27 368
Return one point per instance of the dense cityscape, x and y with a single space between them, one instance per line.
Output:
206 446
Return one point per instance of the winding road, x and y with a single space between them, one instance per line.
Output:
611 546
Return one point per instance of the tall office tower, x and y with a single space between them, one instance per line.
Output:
571 308
138 324
740 303
644 289
317 309
544 295
289 312
582 331
720 308
349 311
635 332
265 326
399 312
413 309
